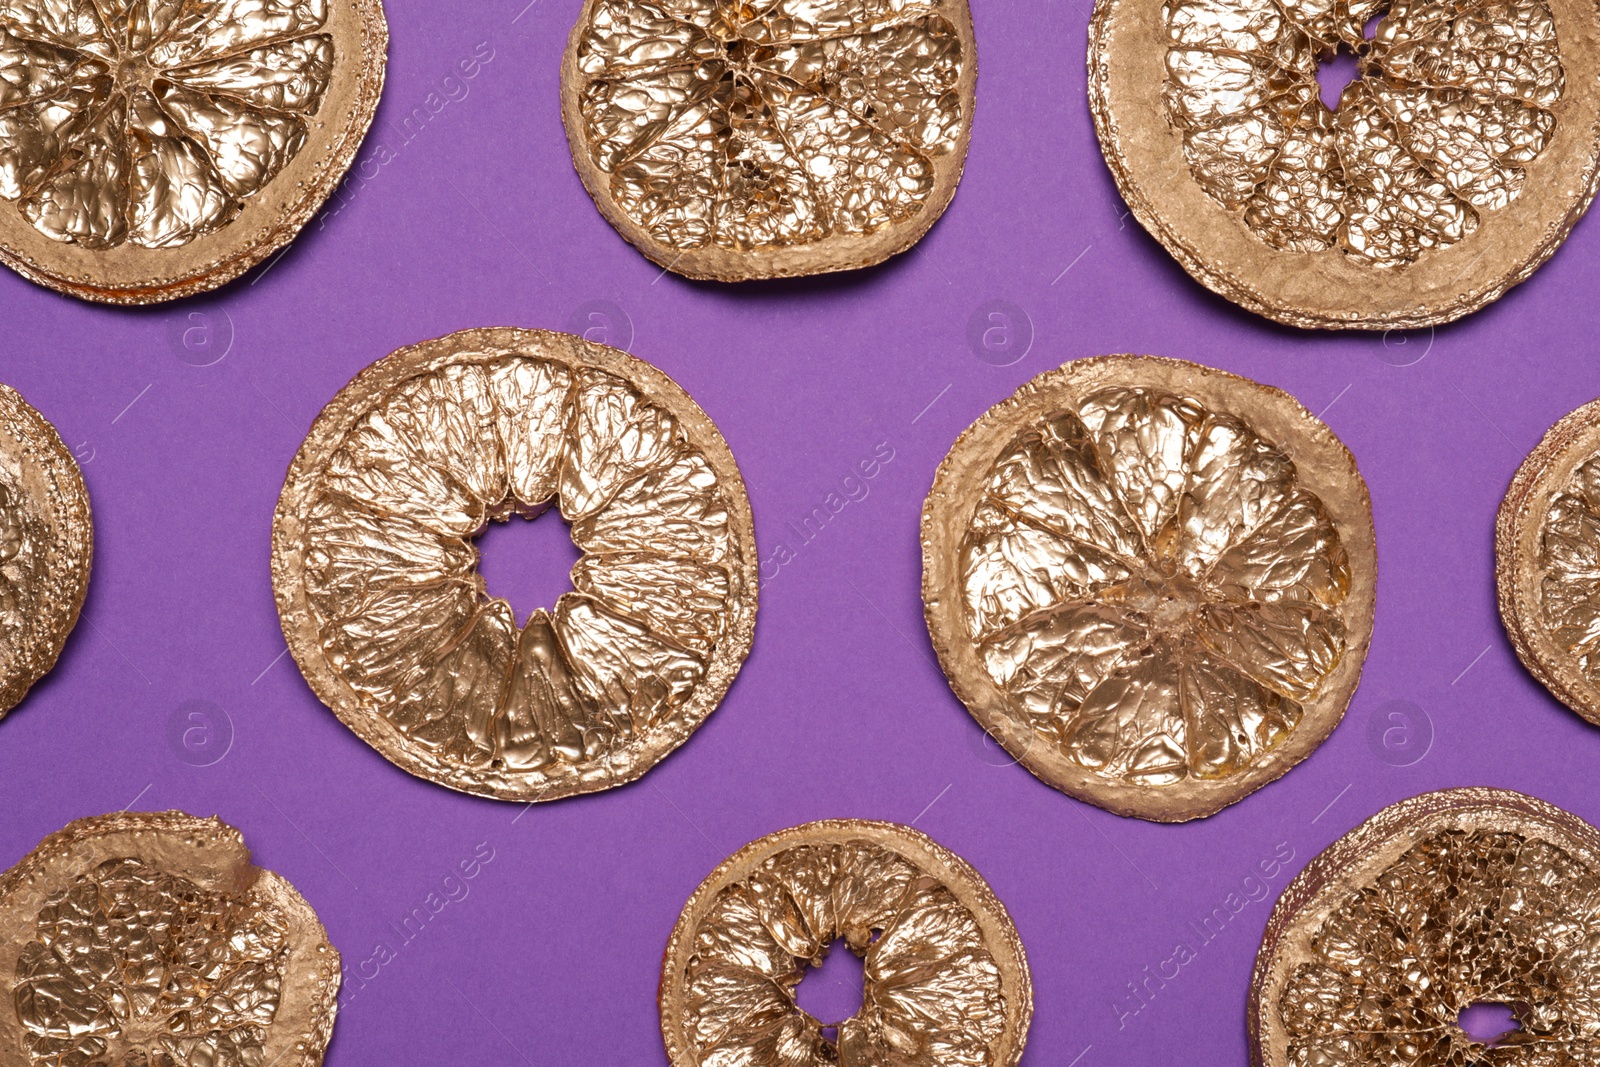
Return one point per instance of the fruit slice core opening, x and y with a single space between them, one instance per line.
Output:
1488 1021
831 990
526 559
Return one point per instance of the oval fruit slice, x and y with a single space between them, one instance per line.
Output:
1547 561
143 938
1151 581
153 150
733 142
1452 167
945 979
376 576
1445 901
46 542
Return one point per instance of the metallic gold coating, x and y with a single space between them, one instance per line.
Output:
162 147
376 574
945 978
734 141
46 544
1446 900
1451 168
148 939
1547 561
1152 581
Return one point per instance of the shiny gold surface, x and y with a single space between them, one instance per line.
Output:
1450 899
151 126
1450 169
781 138
945 980
1547 547
46 543
148 939
1152 585
1453 101
377 580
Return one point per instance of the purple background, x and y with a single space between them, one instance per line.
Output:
474 217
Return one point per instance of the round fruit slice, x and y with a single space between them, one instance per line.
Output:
153 150
143 938
376 576
1452 167
1151 581
1439 903
46 542
760 141
1547 561
944 981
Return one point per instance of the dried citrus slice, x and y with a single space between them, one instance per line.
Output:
149 150
376 573
735 141
149 939
46 542
1441 902
1547 561
1151 581
945 979
1449 171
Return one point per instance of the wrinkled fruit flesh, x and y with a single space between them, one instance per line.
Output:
1454 101
1438 903
148 939
940 984
715 126
401 615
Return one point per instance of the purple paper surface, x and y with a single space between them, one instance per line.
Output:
466 212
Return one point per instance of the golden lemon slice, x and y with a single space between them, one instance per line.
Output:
1449 171
735 141
46 543
1445 901
1547 561
153 150
945 979
376 573
1151 581
143 938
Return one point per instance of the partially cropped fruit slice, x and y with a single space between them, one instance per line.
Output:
945 978
1547 561
46 544
733 141
1449 170
143 938
1151 581
376 573
155 149
1447 900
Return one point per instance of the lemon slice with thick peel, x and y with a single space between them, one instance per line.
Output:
944 980
1446 901
148 938
1450 169
376 573
1547 561
156 149
1151 581
732 140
